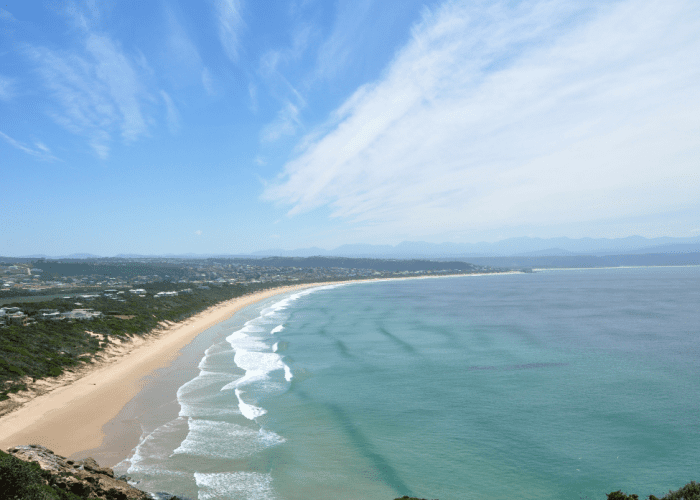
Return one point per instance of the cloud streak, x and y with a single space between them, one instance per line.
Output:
172 115
496 115
6 88
41 152
98 92
230 22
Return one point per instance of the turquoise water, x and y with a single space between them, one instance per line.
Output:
551 385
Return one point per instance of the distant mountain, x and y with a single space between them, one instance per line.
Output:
548 252
299 252
523 246
582 261
81 256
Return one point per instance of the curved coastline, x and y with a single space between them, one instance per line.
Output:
71 417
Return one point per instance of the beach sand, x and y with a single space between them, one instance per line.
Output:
75 418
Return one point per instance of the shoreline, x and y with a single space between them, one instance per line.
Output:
71 414
69 417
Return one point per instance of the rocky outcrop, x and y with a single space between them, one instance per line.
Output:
84 478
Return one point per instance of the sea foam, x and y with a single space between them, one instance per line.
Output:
235 485
215 439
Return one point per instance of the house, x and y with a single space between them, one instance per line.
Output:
18 318
50 315
82 314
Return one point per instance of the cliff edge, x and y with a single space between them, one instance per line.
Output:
58 477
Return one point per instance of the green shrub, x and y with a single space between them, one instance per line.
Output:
690 491
619 495
20 480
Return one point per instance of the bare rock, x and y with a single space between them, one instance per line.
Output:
84 478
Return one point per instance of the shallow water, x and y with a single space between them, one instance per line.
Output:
559 384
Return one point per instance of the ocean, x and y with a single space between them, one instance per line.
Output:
564 384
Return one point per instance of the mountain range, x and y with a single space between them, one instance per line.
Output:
522 247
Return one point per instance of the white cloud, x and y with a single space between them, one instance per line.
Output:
285 124
497 115
116 72
181 48
98 92
208 82
198 232
253 93
6 88
230 22
41 152
337 50
85 14
172 116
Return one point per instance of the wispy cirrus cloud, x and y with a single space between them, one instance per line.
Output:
337 50
285 124
98 91
208 82
172 115
40 151
7 90
230 22
500 114
179 43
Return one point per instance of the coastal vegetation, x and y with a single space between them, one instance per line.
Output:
35 473
46 348
690 491
20 480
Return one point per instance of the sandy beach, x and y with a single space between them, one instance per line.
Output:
70 418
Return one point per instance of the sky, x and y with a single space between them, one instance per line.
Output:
233 126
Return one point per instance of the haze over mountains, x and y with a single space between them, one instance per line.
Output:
523 247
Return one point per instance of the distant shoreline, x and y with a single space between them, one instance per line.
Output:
535 269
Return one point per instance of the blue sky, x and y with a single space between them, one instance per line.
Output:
234 126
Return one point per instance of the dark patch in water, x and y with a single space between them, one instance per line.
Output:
438 330
343 349
384 470
401 343
527 366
